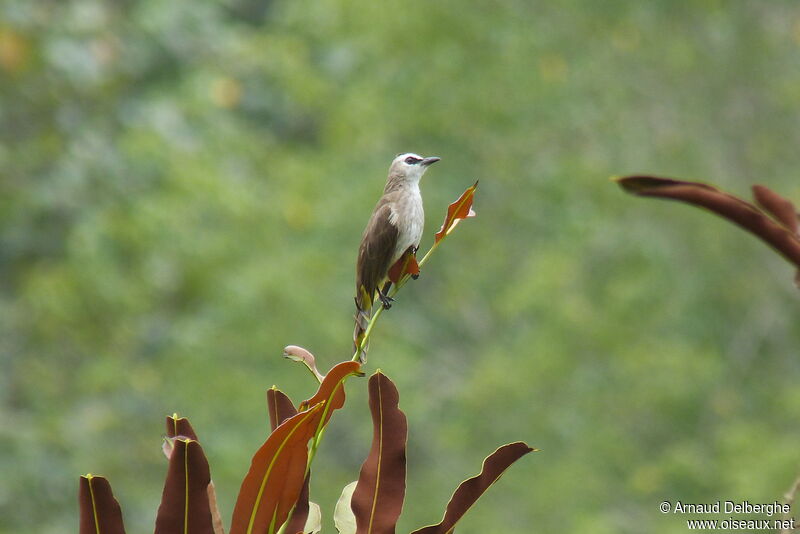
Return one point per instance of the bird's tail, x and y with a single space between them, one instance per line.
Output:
363 315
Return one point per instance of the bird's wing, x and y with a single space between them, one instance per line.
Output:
374 254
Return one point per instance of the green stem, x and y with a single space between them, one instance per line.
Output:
430 251
314 374
368 331
314 446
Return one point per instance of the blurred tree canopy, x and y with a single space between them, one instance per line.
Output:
182 190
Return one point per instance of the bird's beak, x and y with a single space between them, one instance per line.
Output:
428 161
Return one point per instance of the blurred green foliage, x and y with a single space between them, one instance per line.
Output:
183 187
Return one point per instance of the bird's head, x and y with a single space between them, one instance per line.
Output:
410 167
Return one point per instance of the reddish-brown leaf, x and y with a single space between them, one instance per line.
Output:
299 516
180 426
458 210
779 207
746 215
185 503
280 407
99 510
378 498
299 354
470 490
407 264
331 390
273 483
177 427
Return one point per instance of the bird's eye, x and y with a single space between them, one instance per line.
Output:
411 160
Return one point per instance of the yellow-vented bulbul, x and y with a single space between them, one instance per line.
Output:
394 229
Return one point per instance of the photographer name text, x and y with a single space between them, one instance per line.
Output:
728 507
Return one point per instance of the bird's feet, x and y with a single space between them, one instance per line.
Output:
386 300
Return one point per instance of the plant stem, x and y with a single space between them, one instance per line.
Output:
430 251
314 446
400 283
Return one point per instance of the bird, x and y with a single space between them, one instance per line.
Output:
393 230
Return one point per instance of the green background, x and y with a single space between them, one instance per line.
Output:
183 186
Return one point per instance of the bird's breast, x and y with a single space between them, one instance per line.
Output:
409 218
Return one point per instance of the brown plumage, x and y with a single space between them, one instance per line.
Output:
376 252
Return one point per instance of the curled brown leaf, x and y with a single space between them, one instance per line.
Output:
456 212
779 207
331 390
775 224
469 491
304 356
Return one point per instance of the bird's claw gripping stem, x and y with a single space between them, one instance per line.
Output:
386 300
